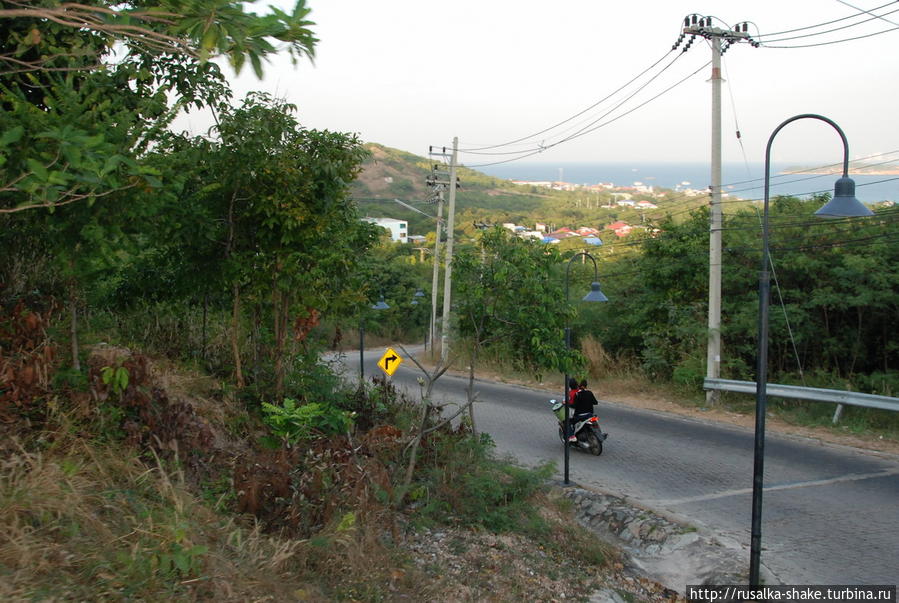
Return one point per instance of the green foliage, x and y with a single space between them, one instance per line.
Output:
837 281
74 132
292 422
509 297
116 378
463 483
180 562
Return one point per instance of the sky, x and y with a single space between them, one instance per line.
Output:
413 73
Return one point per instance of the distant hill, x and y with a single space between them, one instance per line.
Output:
393 174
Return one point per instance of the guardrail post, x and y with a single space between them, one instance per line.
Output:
837 414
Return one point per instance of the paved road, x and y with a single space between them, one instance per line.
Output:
831 513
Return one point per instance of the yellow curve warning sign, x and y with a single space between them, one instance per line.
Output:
389 362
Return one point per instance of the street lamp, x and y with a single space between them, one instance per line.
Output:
381 305
843 205
595 295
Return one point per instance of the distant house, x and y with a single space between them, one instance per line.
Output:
563 233
621 229
596 241
646 205
586 231
398 228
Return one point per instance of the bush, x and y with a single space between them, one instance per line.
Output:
464 484
292 423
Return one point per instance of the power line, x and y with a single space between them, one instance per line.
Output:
825 23
858 242
542 146
576 115
826 31
887 216
594 128
866 11
834 41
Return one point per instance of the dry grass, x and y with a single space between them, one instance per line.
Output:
83 522
85 518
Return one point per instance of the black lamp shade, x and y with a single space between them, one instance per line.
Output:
844 204
595 294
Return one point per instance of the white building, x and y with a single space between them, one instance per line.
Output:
399 229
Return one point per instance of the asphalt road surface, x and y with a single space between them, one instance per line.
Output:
830 513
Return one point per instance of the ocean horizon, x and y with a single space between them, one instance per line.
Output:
742 180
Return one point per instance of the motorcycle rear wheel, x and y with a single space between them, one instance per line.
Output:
594 443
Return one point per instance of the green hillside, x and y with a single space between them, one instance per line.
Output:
391 174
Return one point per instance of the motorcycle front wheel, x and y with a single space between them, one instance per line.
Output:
594 444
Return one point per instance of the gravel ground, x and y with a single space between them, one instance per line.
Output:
470 565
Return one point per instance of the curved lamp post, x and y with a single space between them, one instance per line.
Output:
843 205
595 295
381 305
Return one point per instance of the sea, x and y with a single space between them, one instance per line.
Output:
742 180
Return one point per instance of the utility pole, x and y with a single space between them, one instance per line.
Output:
440 180
434 280
437 185
448 262
695 25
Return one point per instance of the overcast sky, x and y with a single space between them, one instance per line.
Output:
414 73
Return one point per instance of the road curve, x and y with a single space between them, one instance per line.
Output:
830 513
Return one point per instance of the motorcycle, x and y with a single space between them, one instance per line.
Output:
586 428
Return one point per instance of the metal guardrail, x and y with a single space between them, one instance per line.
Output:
814 394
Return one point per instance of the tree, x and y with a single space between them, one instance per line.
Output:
86 88
510 300
834 296
291 236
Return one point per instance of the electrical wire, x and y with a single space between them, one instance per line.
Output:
742 250
887 217
867 12
833 41
596 127
575 116
542 146
786 31
826 31
733 105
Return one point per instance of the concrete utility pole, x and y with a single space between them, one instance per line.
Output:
440 184
702 26
434 280
448 270
713 355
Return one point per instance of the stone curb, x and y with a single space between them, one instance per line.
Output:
670 553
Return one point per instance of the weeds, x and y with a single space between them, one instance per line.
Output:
463 483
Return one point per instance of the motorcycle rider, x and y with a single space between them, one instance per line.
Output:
582 402
572 393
